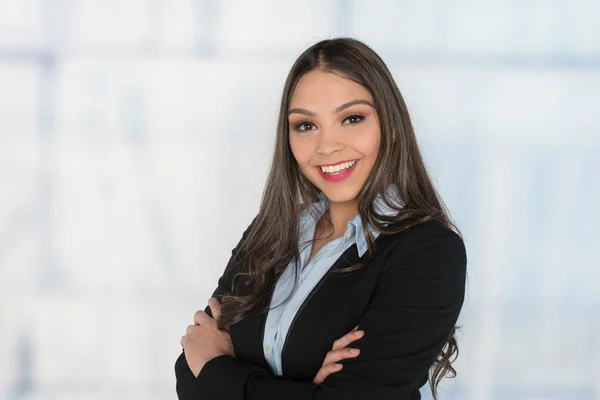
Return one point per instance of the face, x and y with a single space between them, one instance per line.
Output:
334 133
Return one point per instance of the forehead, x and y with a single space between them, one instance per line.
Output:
318 89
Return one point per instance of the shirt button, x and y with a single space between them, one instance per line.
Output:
348 235
268 352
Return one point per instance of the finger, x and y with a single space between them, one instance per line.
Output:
190 329
215 307
347 339
334 356
325 371
200 317
184 341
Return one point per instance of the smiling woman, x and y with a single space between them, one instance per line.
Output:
333 122
352 245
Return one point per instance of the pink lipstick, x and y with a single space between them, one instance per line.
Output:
338 176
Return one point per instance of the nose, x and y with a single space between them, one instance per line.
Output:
329 142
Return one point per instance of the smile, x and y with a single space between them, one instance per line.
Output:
334 169
337 172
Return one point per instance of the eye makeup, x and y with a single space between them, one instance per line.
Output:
305 126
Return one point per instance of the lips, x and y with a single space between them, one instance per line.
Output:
336 163
333 169
338 176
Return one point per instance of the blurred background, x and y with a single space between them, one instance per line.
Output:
135 138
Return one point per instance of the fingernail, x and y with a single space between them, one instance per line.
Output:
355 351
358 333
338 366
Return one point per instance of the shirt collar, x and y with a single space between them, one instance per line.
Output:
354 232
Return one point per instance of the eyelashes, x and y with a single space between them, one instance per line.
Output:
302 126
355 117
305 126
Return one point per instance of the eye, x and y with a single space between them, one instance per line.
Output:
353 119
303 126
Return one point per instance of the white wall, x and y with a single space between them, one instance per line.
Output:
135 136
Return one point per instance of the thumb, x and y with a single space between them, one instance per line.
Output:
215 307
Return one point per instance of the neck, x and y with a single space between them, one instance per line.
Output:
340 214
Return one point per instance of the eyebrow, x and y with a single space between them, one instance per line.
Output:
337 109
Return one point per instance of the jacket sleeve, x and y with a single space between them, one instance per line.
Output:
417 301
184 376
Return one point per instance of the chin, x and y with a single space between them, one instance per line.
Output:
341 194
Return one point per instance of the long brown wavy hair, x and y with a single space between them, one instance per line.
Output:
271 241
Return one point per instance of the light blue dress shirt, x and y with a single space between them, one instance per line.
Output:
280 318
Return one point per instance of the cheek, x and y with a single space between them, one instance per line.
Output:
302 151
375 144
368 144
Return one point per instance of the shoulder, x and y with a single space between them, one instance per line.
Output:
430 245
430 231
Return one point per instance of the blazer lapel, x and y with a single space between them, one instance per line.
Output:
304 334
316 312
247 337
331 310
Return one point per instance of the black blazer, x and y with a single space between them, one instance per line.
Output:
407 300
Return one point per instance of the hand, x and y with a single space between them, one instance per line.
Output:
203 341
337 353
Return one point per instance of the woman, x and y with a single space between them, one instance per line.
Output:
350 234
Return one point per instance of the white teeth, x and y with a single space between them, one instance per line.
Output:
330 169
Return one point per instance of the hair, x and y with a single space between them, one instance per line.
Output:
271 240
